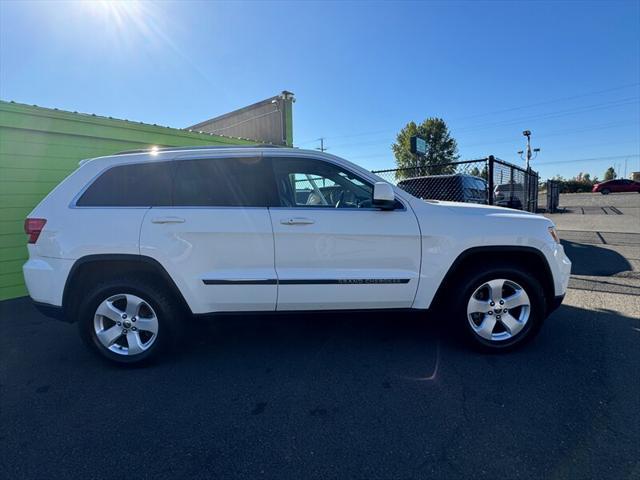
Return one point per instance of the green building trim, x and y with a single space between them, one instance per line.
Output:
288 112
40 146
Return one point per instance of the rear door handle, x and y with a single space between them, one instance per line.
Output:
167 220
297 221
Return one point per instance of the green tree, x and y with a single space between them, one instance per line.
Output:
441 148
610 174
476 172
583 178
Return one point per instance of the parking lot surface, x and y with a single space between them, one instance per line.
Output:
362 396
616 212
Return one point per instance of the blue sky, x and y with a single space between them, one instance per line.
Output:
568 71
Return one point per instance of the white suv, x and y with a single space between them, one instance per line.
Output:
130 245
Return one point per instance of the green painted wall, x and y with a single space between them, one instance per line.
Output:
39 147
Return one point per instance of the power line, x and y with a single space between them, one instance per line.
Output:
555 151
515 121
547 102
555 114
557 133
363 134
390 153
557 100
593 159
513 140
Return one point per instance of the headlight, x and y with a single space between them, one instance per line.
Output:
554 234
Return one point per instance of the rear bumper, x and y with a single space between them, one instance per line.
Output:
52 311
45 278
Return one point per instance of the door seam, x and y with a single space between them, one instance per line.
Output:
275 269
144 217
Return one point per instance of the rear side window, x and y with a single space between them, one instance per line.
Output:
136 185
224 182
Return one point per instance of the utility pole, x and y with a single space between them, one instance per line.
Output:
625 168
529 152
321 147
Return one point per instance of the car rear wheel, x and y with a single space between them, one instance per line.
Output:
502 308
128 321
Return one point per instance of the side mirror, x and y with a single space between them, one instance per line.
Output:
383 196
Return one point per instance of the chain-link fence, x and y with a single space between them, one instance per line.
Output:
553 196
514 187
488 180
464 181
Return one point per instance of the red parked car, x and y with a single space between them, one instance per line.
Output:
619 185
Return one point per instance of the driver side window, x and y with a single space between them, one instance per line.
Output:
314 183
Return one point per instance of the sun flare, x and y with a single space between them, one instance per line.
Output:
114 10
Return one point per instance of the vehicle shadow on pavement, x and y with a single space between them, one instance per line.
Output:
593 260
367 395
310 336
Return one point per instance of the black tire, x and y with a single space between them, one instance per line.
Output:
474 280
605 191
163 304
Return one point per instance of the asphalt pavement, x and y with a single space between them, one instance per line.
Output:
359 396
375 396
589 212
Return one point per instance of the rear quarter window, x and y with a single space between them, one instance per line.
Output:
133 185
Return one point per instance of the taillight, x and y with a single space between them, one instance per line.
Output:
33 227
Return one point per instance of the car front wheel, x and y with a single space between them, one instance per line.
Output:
128 321
502 308
605 191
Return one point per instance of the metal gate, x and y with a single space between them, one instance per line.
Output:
488 180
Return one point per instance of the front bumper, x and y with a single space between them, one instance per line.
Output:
561 269
555 303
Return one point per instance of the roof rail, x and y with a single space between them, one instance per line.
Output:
198 147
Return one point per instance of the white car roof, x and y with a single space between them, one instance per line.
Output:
183 153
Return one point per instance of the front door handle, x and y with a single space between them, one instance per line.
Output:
297 221
167 220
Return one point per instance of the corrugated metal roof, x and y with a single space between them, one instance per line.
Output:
90 116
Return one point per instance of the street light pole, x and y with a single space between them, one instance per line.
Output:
529 177
527 133
529 152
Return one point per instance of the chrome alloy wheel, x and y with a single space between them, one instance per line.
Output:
498 310
125 324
